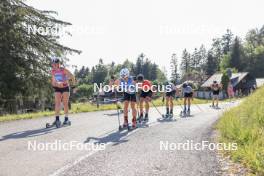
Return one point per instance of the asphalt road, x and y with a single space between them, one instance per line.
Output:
135 153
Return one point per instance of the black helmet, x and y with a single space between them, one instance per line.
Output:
140 77
55 60
215 82
184 85
112 77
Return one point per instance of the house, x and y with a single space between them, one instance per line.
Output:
260 82
242 82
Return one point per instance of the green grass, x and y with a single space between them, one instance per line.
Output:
84 107
244 125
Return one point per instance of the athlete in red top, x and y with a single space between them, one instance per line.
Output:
145 96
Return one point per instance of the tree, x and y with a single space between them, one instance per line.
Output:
99 72
225 80
146 68
235 59
85 90
225 62
211 64
174 68
227 40
154 72
139 64
195 60
185 63
25 54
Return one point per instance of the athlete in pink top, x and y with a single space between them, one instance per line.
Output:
60 82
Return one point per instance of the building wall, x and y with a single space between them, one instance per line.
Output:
207 95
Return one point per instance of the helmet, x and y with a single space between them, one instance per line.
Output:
55 60
215 82
166 83
112 77
184 85
140 77
124 73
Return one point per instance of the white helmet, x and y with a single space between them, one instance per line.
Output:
124 73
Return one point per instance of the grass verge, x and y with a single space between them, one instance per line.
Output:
244 125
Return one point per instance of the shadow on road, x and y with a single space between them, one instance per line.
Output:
115 138
163 120
112 114
28 133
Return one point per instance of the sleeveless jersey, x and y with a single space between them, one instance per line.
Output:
128 86
60 76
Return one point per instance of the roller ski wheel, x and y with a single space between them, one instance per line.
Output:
212 106
48 125
131 127
121 128
57 124
217 107
67 123
140 119
183 114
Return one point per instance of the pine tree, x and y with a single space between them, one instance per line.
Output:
174 68
25 54
227 40
185 63
211 64
235 60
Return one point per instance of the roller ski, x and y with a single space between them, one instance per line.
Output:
127 126
57 123
167 116
124 127
133 126
215 107
185 114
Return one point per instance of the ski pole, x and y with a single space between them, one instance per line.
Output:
156 108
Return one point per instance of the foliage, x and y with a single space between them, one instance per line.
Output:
244 125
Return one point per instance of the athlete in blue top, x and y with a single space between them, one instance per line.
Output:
127 84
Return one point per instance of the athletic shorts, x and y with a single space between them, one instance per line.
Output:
216 92
188 95
130 97
61 90
146 94
170 94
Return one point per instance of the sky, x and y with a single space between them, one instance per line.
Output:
116 30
